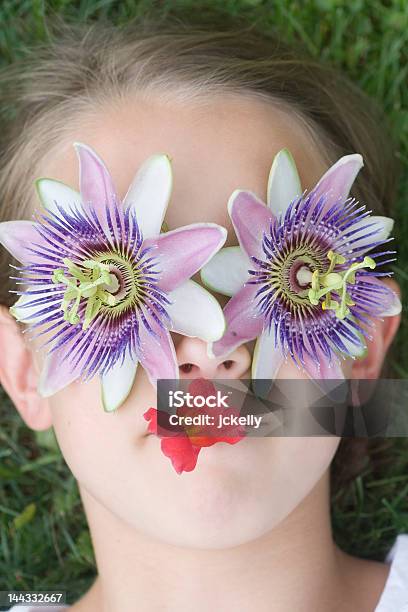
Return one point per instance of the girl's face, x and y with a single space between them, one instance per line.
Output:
237 492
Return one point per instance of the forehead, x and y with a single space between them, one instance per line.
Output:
216 145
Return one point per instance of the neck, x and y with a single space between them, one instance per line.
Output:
294 566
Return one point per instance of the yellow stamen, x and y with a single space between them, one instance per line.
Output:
324 284
94 283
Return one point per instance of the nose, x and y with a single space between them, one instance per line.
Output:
194 362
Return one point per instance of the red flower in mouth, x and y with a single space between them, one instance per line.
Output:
184 444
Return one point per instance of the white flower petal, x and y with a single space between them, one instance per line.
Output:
226 271
266 362
195 312
385 302
149 193
393 308
117 383
26 314
381 225
283 183
354 350
53 192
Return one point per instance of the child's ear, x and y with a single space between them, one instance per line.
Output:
19 374
369 367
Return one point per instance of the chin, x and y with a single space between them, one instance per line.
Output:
224 502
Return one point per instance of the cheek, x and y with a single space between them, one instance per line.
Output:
240 493
103 450
300 463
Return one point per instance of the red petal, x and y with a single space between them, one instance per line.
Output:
182 453
151 415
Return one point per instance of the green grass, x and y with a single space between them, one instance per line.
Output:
44 542
369 513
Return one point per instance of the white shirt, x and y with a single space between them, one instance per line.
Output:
394 597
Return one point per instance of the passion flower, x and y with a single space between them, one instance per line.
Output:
301 279
104 285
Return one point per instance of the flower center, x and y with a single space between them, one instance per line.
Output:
324 284
108 281
93 282
304 276
293 275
